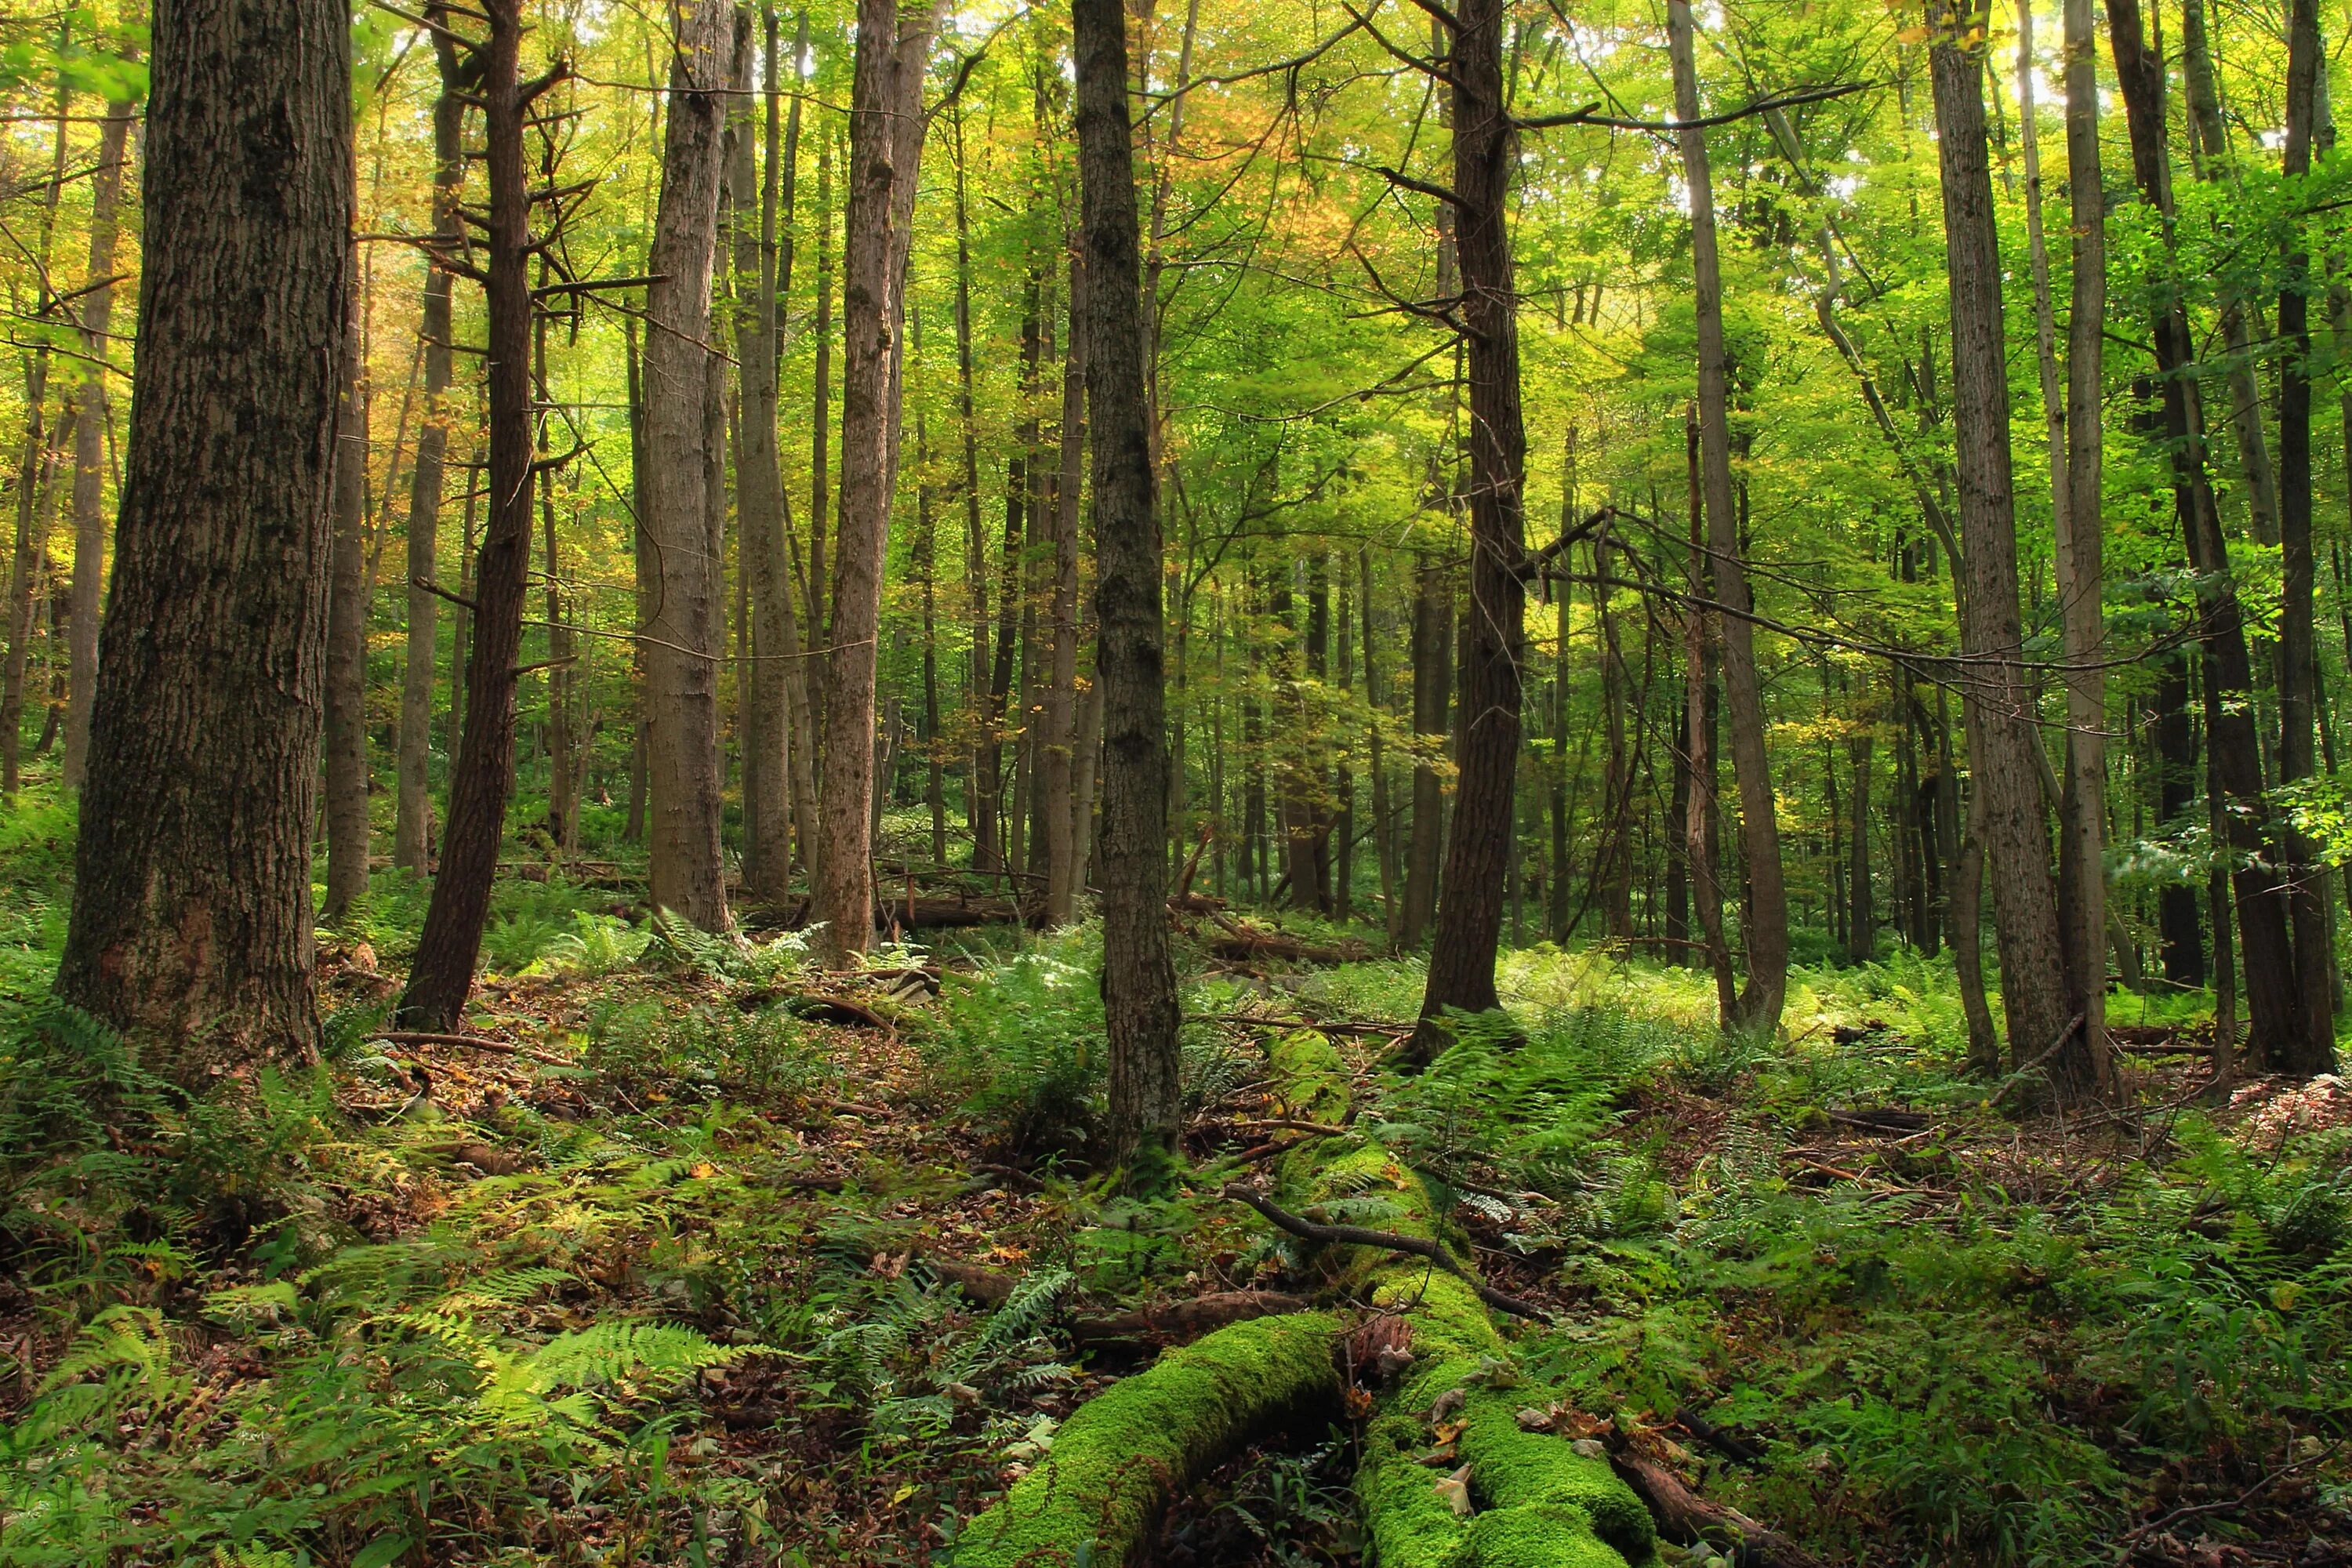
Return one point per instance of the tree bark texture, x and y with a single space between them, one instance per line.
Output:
1139 980
684 871
191 925
1470 898
2003 744
888 87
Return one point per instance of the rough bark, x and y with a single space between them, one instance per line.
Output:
1477 850
93 416
893 50
191 923
1433 667
1139 980
346 674
482 779
412 827
684 871
1765 931
2003 748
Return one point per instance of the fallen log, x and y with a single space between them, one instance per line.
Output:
1184 1321
470 1043
1687 1519
1249 944
1520 1500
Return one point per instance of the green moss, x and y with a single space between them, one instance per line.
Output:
1511 1469
1315 1079
1540 1535
1409 1524
1119 1459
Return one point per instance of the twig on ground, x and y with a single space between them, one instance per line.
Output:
471 1043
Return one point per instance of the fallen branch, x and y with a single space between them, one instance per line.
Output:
1689 1518
1411 1246
471 1043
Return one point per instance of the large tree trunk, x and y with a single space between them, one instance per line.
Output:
893 51
2003 744
92 418
684 871
2310 1048
2233 748
1139 980
482 779
1470 898
346 678
191 925
413 830
1765 931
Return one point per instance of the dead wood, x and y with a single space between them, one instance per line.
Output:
1687 1519
1413 1246
1181 1322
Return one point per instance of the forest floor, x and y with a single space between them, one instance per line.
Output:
691 1264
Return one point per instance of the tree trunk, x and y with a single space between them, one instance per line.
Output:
2232 747
1470 900
893 50
1765 931
1059 750
1433 667
1139 980
2002 744
1862 917
93 418
346 674
772 754
483 777
821 418
1697 824
412 830
2180 935
684 872
36 470
2310 1048
191 922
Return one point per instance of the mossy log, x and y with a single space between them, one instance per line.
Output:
1502 1498
1116 1462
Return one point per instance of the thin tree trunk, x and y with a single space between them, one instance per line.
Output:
93 418
346 672
1766 929
1697 825
821 418
413 830
2232 745
1060 738
1383 827
1862 916
191 918
1139 980
1478 851
1432 665
34 472
2003 746
483 778
980 803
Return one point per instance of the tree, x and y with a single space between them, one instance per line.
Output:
346 680
412 829
681 651
1478 848
885 120
2003 746
191 925
1766 929
93 418
483 776
1139 980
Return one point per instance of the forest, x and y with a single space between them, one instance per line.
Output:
1386 784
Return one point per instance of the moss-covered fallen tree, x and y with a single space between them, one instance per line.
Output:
1448 1479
